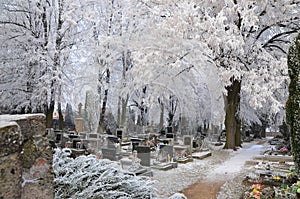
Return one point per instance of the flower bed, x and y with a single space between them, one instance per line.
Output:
272 186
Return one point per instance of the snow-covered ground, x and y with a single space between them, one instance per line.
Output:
223 165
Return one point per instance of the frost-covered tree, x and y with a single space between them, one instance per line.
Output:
247 39
106 52
292 105
36 39
168 56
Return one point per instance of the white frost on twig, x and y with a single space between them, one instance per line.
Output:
28 181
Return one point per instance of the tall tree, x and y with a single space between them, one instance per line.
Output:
292 105
245 41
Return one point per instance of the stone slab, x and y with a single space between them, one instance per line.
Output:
185 160
201 155
163 166
275 158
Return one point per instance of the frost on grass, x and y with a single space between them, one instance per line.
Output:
89 177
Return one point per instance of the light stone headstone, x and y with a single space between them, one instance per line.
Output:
187 140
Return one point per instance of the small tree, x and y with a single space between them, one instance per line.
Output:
292 105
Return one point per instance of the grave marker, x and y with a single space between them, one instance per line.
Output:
111 141
110 154
187 140
93 136
143 153
120 133
167 150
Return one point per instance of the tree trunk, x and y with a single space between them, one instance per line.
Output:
124 110
60 117
49 115
119 113
238 139
161 119
104 102
232 121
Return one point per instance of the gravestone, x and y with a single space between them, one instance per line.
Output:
83 135
167 150
94 144
111 141
76 143
93 136
109 153
143 153
187 140
170 135
135 145
120 134
169 129
58 136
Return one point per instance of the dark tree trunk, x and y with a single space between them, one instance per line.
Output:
232 121
161 117
60 117
104 102
49 115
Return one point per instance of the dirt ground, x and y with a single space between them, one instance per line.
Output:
203 190
209 189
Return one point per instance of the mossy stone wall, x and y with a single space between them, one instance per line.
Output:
26 157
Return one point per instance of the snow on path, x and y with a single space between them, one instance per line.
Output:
223 165
233 166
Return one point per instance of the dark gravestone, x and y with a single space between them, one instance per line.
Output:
143 153
93 135
58 137
169 129
76 143
135 145
119 134
109 154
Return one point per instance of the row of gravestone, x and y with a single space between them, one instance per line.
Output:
143 153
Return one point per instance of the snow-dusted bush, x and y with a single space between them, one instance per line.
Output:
89 177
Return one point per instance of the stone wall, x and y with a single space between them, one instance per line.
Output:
26 157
